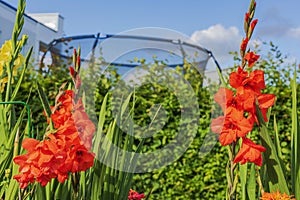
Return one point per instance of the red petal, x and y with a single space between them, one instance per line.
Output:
217 124
29 144
266 100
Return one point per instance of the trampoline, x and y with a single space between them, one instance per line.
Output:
125 51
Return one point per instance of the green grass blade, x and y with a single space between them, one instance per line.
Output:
39 192
276 139
243 178
251 184
44 100
278 146
295 140
97 173
12 191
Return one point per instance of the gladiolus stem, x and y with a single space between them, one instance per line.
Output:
261 188
232 167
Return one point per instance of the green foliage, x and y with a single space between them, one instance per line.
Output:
190 177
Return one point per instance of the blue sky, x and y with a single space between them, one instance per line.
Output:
215 24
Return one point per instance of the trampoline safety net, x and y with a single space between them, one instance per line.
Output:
125 51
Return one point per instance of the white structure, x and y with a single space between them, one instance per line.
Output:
41 28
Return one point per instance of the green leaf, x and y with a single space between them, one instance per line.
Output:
275 173
40 192
45 104
243 177
12 191
44 100
20 79
278 146
251 184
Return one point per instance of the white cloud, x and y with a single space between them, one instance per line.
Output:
294 32
220 41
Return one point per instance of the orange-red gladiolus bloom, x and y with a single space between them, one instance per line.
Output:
276 196
62 152
250 152
251 58
231 127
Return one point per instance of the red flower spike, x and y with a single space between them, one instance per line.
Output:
250 152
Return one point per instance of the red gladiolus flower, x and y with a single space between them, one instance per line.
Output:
85 128
231 127
65 151
40 162
226 99
251 58
265 101
133 195
80 158
236 78
253 83
240 103
250 152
